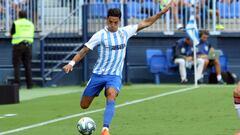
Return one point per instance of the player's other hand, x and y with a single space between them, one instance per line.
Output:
68 68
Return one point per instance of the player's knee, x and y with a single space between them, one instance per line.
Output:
111 95
200 61
206 62
181 62
216 62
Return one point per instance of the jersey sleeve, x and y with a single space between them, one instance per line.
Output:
94 41
131 30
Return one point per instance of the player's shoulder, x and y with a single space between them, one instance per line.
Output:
98 33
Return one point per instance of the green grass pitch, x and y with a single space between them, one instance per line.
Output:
207 110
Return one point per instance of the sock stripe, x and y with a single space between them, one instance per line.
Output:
236 100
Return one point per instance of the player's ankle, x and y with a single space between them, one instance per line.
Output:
107 128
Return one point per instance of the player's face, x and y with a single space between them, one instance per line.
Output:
204 37
113 23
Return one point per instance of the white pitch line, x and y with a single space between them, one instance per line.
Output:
97 110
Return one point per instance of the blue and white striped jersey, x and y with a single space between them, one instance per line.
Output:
111 49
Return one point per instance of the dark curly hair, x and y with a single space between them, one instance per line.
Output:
116 12
204 32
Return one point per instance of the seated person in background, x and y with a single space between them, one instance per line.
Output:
183 57
203 52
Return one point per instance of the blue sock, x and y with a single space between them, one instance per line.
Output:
109 113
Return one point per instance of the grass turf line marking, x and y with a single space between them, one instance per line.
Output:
98 110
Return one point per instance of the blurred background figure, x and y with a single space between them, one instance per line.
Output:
204 49
22 33
174 11
205 12
209 4
183 57
18 5
72 3
2 3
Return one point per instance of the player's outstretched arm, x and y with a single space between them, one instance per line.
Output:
79 56
149 21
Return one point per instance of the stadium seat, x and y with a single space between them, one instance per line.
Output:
113 5
234 9
224 63
169 55
150 7
134 10
223 59
98 10
224 10
229 10
150 53
158 64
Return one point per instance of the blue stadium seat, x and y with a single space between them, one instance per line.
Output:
158 64
224 10
113 5
234 9
223 59
224 63
150 6
134 10
169 54
150 53
229 10
98 10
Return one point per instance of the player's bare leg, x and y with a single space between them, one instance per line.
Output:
111 94
86 102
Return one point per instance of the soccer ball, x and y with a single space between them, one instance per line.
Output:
86 126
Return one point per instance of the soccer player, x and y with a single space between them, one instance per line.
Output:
111 42
236 97
183 57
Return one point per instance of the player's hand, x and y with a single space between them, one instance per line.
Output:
189 58
68 68
165 9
